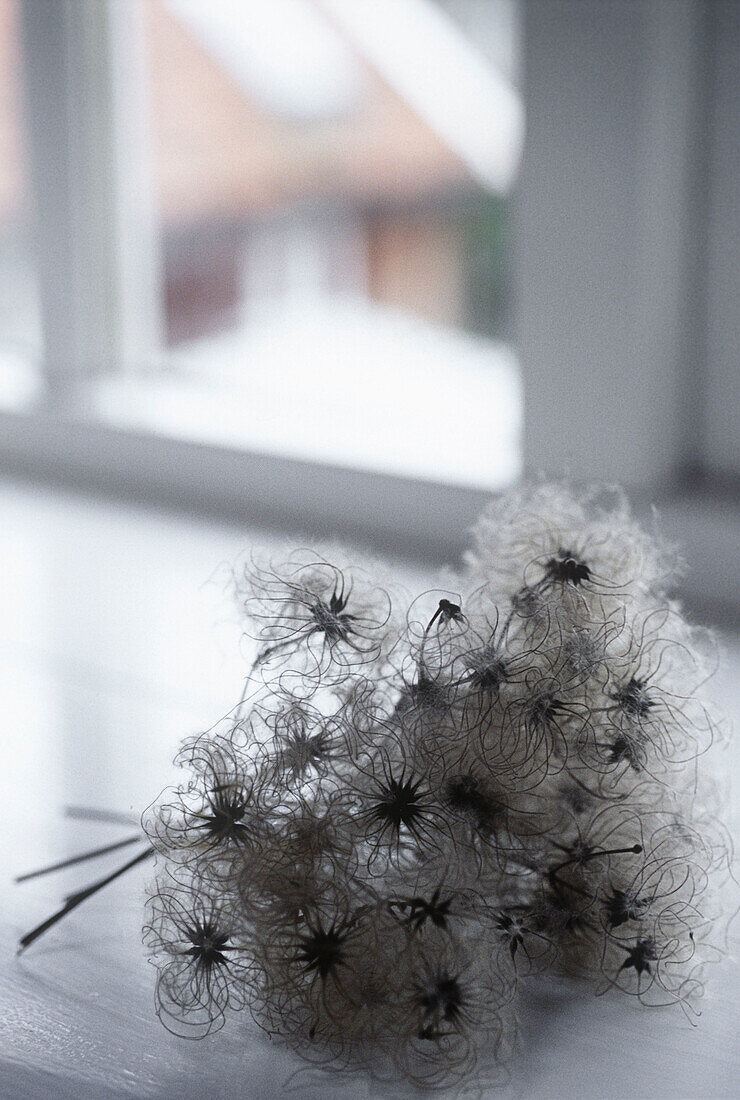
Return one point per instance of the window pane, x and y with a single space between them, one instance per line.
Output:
332 185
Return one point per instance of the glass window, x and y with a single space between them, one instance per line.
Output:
278 227
331 193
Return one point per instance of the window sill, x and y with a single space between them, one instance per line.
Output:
121 450
392 514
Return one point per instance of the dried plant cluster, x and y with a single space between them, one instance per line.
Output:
421 805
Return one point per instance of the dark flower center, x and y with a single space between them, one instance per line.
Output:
566 568
640 956
444 997
400 804
322 950
544 709
625 748
223 820
331 619
434 910
487 669
303 750
621 907
633 698
465 794
209 946
510 930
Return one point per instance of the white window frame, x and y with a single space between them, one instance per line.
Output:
94 222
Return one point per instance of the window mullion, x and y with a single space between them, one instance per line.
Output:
93 216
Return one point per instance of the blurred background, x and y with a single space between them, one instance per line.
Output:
351 266
279 269
279 227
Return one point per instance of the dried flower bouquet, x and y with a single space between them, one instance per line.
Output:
416 806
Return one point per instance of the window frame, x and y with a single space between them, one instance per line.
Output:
87 173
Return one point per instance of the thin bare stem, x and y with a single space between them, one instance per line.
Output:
73 900
80 859
87 813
